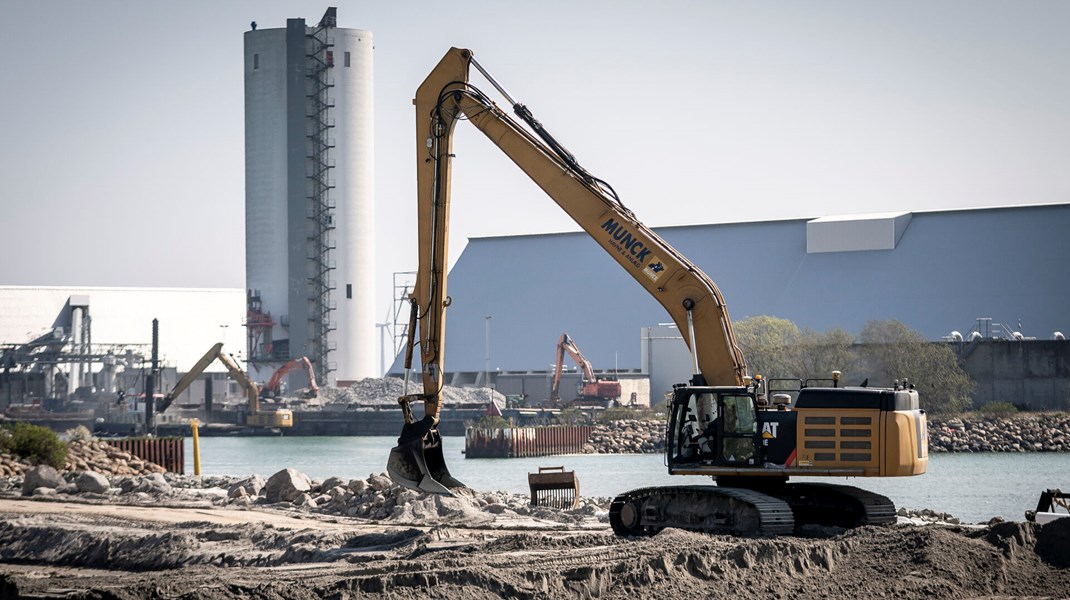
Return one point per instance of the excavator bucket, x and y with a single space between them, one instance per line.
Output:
554 486
417 461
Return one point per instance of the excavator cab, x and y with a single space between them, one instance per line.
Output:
714 425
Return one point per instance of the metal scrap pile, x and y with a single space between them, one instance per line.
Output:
385 392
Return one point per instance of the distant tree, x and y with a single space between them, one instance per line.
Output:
892 351
769 345
819 354
39 445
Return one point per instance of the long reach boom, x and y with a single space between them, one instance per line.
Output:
688 295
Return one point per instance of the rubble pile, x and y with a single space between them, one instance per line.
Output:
11 465
631 436
95 455
1024 433
926 515
101 457
386 391
378 498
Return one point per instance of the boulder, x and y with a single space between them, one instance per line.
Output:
157 483
153 484
286 486
92 482
41 476
380 482
331 483
250 486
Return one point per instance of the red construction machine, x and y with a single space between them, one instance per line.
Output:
604 391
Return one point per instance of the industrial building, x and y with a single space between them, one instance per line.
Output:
935 271
309 169
90 343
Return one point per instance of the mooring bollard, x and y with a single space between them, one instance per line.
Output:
196 448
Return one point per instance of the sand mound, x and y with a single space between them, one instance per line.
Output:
340 558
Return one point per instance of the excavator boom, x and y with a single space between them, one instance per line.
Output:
593 387
690 297
275 382
278 418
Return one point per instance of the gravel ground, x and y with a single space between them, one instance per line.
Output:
216 537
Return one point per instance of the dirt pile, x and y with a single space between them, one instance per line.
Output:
202 558
386 391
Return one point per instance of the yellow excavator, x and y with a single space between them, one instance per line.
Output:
749 436
281 417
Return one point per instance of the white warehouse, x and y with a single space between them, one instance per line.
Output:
310 198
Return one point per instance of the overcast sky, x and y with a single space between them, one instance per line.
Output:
121 123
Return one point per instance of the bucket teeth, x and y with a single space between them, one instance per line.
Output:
418 464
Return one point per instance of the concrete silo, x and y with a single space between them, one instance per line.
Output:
309 180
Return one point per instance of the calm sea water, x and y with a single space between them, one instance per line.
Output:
973 487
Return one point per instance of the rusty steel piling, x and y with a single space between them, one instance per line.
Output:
519 442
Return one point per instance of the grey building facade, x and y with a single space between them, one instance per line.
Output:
935 271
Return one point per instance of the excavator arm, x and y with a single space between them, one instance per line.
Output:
565 344
215 352
275 382
688 295
236 372
189 377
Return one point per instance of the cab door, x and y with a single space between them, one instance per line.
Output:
739 430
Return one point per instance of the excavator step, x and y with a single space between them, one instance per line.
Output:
707 509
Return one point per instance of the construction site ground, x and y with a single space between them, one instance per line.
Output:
73 549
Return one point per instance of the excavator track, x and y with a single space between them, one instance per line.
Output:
741 511
707 509
838 505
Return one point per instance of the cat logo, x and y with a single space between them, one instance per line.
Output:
769 430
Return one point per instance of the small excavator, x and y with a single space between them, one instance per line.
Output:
273 387
281 417
603 391
724 423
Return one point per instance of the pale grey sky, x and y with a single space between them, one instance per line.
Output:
121 125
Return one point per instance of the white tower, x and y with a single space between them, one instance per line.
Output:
309 199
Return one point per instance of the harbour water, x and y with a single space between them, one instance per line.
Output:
972 487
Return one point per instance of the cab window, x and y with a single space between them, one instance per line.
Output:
739 415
